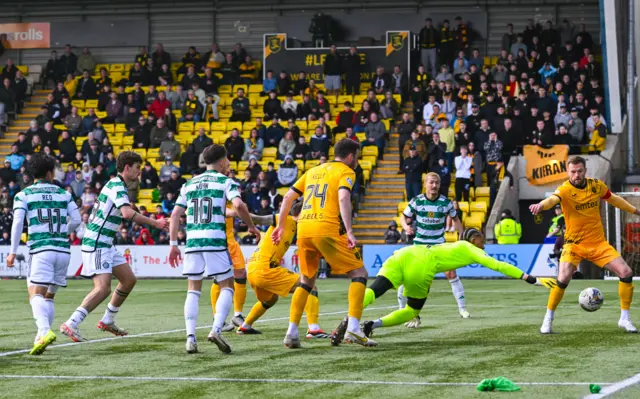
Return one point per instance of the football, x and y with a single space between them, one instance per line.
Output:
591 299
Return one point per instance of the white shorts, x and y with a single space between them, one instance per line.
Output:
198 265
101 261
48 268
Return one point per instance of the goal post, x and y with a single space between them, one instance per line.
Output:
623 232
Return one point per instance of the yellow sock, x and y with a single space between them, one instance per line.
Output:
256 312
356 297
312 309
298 303
215 293
555 296
625 292
239 294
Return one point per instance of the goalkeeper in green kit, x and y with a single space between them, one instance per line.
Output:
416 266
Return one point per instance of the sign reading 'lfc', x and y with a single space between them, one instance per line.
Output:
546 165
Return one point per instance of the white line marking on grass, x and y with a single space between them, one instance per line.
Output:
276 380
615 387
147 334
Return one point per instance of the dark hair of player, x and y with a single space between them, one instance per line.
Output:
127 158
213 154
40 164
576 160
345 147
296 209
470 233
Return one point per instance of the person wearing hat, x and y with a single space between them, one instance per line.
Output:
576 127
508 230
167 169
392 235
413 168
415 267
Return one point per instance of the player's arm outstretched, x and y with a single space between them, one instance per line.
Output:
243 213
545 204
258 220
467 254
134 216
620 203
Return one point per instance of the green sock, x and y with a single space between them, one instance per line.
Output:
369 297
399 316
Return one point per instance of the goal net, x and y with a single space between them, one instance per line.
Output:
623 232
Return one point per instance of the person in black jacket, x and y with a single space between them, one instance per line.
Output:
142 133
332 70
272 107
160 56
86 87
381 81
241 111
413 167
53 70
149 177
68 61
437 150
352 68
189 161
284 83
67 148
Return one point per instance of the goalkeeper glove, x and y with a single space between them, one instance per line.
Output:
413 323
547 282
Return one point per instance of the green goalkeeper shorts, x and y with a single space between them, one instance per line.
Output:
404 268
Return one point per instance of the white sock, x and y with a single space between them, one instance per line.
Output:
550 314
191 311
353 325
377 323
77 317
39 308
110 314
458 292
224 304
402 300
51 310
314 327
245 325
624 314
292 330
235 314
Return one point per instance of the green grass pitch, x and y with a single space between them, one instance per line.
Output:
501 339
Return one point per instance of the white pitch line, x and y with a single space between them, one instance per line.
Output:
615 387
277 380
93 341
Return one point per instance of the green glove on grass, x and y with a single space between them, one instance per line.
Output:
497 384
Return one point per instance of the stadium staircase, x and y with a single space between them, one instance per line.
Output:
30 111
385 192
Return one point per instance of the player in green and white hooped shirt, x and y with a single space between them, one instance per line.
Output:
100 259
204 200
51 214
430 210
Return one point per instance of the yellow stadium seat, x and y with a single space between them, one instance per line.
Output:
185 127
482 192
398 98
464 206
109 128
369 150
451 236
141 151
452 193
127 141
373 160
485 200
99 67
91 104
361 137
332 152
59 127
340 136
311 164
478 206
472 193
204 125
358 100
270 152
238 87
242 166
302 125
402 206
116 68
331 124
78 103
153 153
120 128
311 125
218 127
225 89
225 114
116 141
234 125
473 221
480 215
226 101
247 126
255 88
366 176
366 165
344 98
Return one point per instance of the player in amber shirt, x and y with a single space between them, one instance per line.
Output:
269 280
584 238
324 230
